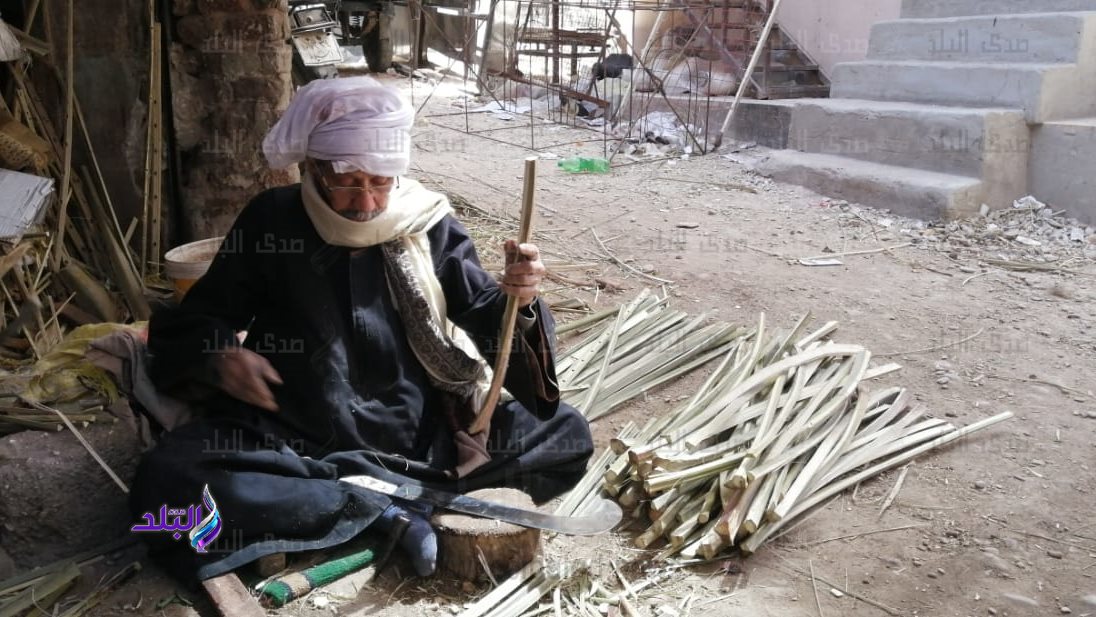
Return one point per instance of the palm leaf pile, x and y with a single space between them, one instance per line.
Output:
784 422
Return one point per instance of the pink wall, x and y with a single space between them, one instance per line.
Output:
832 31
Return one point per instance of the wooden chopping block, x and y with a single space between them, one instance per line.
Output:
506 547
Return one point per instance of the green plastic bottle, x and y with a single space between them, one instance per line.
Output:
583 165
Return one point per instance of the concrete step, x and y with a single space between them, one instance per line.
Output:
1044 91
991 144
794 91
766 123
793 68
1061 166
904 191
1046 38
959 8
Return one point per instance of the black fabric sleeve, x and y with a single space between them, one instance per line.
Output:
184 340
476 303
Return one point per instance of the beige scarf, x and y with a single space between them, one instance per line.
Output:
446 352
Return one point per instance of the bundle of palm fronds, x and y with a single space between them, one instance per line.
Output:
780 426
646 345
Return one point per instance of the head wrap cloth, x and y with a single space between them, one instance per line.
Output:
354 122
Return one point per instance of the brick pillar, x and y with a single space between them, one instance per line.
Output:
230 63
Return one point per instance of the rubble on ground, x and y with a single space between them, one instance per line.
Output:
1030 233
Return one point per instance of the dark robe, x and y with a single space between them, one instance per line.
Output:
355 398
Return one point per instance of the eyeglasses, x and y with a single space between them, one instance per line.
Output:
377 190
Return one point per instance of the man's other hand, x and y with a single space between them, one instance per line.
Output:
524 272
244 375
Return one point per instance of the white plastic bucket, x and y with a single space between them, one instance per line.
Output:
185 264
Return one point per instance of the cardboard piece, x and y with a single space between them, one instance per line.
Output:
23 199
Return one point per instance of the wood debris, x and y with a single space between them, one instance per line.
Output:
72 266
46 587
565 589
16 418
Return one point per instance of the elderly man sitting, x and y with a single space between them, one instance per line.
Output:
369 327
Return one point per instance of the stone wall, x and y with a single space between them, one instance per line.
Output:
230 73
230 79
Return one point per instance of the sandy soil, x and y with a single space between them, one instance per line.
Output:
999 524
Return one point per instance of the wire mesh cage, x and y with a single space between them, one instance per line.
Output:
555 65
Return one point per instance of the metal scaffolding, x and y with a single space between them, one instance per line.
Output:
546 38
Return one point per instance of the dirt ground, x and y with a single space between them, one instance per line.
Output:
998 524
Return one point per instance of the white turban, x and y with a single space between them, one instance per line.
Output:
354 122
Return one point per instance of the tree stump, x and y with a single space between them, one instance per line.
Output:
506 547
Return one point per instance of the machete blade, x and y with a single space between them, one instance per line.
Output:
603 518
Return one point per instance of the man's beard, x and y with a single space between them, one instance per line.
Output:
359 216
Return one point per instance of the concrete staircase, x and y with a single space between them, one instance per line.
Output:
959 103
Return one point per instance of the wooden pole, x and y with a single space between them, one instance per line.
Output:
415 14
32 13
90 291
555 42
652 38
510 316
99 183
761 47
129 283
488 33
143 256
66 177
155 225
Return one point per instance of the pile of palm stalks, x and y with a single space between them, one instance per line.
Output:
781 425
29 320
646 345
564 588
81 414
